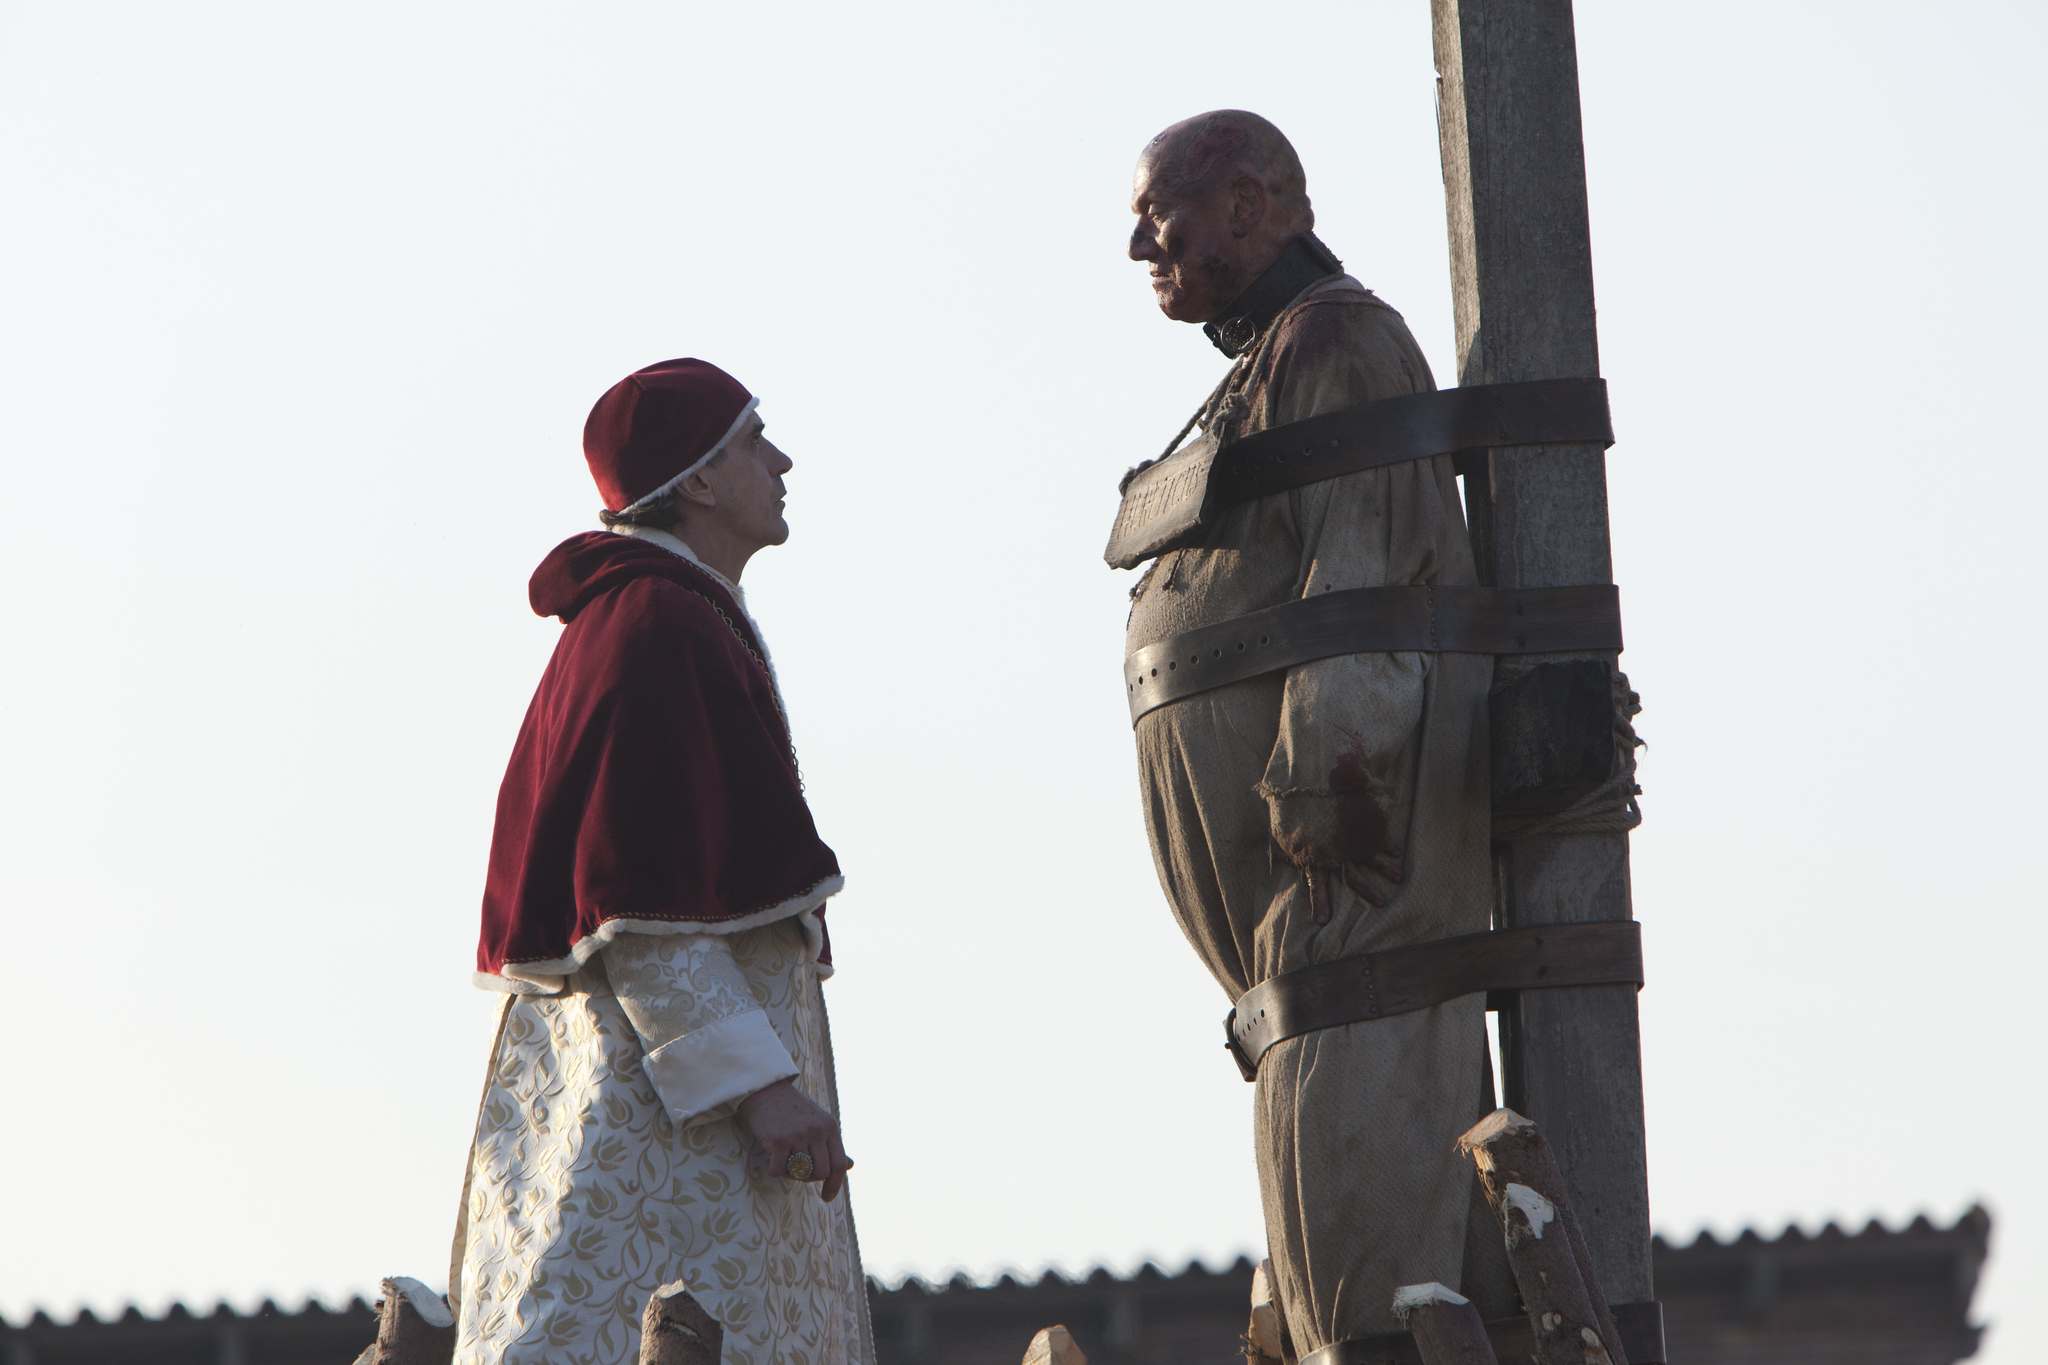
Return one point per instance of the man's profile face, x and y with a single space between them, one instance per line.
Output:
747 482
1186 237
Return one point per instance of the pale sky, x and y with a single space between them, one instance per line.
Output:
303 309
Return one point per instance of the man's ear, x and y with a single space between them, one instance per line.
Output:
696 490
1247 205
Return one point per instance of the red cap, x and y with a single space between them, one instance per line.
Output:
657 425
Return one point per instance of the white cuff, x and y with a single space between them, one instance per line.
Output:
722 1061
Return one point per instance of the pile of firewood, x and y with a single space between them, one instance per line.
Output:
1569 1321
415 1327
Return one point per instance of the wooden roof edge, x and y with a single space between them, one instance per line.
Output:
1972 1229
1146 1273
1969 1236
129 1315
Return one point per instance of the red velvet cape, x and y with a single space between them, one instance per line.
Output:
652 785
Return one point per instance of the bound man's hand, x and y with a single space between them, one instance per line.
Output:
783 1122
1341 833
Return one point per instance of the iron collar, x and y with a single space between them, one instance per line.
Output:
1302 262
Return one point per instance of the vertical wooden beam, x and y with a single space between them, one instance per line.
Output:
1522 285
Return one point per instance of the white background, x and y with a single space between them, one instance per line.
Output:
303 309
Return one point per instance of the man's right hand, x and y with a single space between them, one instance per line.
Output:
783 1121
1342 833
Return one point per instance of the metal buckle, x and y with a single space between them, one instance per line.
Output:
1236 1050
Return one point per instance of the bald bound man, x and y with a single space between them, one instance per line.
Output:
1337 807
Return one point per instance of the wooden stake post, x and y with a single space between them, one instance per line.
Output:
1569 1319
1447 1327
675 1330
1522 279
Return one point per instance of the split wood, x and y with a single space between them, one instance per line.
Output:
1054 1346
1447 1328
1265 1335
677 1331
1568 1315
414 1326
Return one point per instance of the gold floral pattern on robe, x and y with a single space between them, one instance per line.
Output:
584 1195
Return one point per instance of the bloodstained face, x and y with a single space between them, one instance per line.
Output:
1196 237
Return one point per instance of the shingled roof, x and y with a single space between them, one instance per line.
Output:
1874 1297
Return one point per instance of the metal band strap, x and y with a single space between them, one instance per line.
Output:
1172 502
1411 427
1641 1326
1421 619
1352 990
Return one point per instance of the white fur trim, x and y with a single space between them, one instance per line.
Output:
706 458
547 978
512 985
728 1059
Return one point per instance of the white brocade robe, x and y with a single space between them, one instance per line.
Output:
608 1162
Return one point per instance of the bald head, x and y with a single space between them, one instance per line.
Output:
1218 197
1212 149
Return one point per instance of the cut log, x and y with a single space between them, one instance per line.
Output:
414 1326
1568 1313
1447 1328
676 1330
1054 1346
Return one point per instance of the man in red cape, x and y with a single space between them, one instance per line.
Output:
661 1093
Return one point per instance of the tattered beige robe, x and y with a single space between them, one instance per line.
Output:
1352 1126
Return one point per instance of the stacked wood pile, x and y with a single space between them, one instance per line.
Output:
1569 1321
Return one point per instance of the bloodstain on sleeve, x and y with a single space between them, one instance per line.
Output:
1361 831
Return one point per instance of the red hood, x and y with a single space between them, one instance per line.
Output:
586 566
